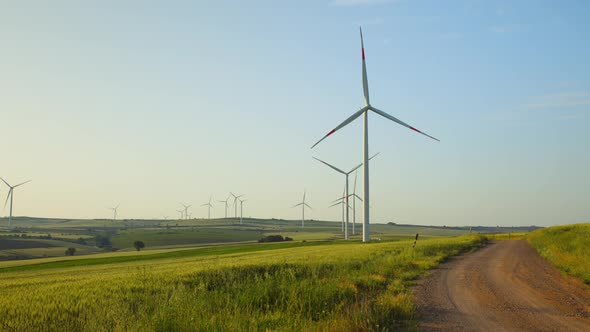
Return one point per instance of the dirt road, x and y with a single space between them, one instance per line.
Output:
505 286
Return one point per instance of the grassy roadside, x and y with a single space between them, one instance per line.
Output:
567 247
343 287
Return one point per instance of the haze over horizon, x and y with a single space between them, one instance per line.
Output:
151 105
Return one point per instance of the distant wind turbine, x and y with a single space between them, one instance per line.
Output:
225 202
241 209
303 205
114 212
235 204
181 213
354 198
365 111
185 210
11 196
209 205
346 237
342 202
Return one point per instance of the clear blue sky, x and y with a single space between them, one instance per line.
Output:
152 103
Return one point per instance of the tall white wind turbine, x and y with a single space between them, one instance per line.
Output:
11 196
303 205
365 112
209 207
346 237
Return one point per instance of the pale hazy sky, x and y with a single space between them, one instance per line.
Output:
153 103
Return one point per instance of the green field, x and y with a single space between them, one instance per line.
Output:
40 238
567 247
338 286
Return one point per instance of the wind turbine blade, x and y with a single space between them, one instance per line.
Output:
365 81
304 195
297 204
337 200
307 206
339 203
8 196
20 184
347 121
332 167
5 182
354 188
206 204
357 196
394 119
355 168
117 206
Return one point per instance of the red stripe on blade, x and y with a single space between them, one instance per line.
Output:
416 130
363 50
330 133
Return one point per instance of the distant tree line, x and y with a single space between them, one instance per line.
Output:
274 238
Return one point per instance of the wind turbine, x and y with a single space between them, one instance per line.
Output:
354 198
115 212
346 237
235 205
303 205
226 200
181 213
340 201
365 112
11 195
209 207
241 209
185 210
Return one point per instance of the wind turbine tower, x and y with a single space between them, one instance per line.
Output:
365 112
241 209
11 196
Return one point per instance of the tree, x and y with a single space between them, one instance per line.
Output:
70 251
139 245
102 241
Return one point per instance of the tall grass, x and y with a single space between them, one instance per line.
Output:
348 287
567 247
